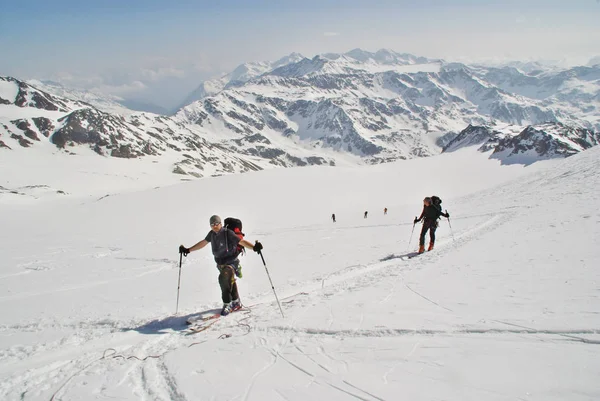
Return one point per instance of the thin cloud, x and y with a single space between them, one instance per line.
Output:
160 73
331 34
521 19
120 90
99 84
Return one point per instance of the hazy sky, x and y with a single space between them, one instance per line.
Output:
159 51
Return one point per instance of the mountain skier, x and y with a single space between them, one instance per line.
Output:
224 244
384 211
333 217
365 215
430 215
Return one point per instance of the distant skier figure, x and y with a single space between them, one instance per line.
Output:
225 250
333 217
366 212
430 215
384 211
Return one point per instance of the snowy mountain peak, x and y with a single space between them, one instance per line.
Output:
512 144
471 136
247 71
296 65
352 62
290 58
302 67
455 67
385 56
239 76
360 55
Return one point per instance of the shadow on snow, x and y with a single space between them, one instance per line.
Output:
168 324
403 256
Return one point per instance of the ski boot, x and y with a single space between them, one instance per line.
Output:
226 309
236 305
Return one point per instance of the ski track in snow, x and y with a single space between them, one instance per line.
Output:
256 375
146 271
157 383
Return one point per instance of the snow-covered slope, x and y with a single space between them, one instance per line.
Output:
505 307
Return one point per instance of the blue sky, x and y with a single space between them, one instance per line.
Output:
159 51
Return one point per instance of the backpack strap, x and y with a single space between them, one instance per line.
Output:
240 235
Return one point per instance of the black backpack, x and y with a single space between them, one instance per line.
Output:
436 202
235 225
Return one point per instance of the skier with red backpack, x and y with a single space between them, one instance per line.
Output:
227 243
432 210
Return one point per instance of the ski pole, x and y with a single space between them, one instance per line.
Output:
178 282
411 235
271 281
451 232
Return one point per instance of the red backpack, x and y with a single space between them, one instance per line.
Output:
235 225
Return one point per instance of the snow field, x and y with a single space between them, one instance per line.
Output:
506 307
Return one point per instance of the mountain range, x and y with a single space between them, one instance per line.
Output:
355 107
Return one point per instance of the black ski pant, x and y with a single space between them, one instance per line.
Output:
229 290
431 226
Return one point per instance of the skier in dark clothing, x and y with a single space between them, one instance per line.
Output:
333 217
365 215
430 215
224 244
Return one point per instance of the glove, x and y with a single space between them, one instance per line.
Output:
257 247
447 215
416 221
184 250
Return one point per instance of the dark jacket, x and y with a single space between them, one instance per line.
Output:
224 246
431 213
